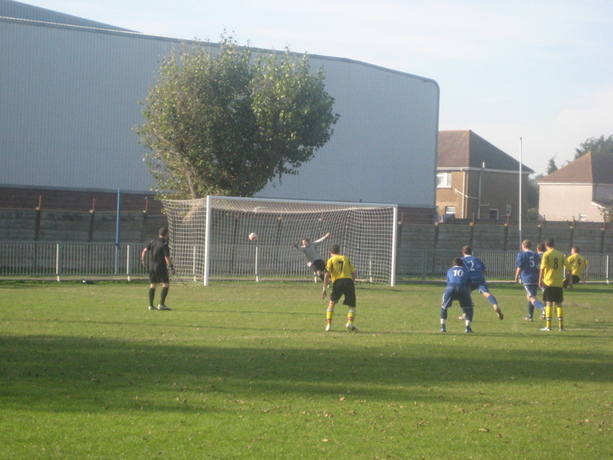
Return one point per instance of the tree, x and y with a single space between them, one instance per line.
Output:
225 122
606 210
551 166
595 145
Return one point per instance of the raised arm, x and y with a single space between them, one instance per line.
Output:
323 238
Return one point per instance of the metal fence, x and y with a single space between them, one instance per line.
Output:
433 264
70 259
20 259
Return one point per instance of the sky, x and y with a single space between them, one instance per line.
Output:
541 70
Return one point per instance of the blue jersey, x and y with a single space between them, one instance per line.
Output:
457 277
529 263
476 269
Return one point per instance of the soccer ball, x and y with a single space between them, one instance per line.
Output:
252 236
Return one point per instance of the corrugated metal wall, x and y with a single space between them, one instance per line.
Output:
69 104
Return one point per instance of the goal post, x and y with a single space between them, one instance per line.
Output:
209 237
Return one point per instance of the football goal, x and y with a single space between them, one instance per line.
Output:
209 237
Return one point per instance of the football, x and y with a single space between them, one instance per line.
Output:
253 236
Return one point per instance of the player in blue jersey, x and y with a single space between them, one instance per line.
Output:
458 288
476 271
527 270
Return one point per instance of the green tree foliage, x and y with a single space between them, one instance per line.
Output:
595 145
551 166
225 121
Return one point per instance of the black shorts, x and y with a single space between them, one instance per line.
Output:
343 287
159 275
318 266
553 294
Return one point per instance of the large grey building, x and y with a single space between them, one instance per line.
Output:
69 101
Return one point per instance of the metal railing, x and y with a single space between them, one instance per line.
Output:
433 264
35 259
70 259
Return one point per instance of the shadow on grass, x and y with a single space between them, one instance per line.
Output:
94 374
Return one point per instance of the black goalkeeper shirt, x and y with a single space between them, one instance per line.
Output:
157 249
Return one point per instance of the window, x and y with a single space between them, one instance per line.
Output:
449 215
443 180
493 215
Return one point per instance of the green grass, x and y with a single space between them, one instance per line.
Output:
245 371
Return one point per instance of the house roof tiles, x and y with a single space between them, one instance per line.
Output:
587 169
462 149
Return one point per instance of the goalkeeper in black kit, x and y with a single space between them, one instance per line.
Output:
310 250
156 258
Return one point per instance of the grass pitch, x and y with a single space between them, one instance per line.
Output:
246 371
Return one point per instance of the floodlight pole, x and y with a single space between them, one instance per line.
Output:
521 159
207 241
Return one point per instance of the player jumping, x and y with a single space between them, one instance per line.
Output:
314 260
527 265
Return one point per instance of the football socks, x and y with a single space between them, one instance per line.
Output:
560 315
548 312
163 295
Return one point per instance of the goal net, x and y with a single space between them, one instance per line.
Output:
209 237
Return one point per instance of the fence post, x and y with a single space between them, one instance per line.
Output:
117 231
194 263
472 233
607 269
257 277
128 262
57 262
435 245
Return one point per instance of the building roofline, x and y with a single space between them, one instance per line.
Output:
139 35
472 168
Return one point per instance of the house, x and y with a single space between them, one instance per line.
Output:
476 180
580 191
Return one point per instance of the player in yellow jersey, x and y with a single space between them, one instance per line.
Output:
340 271
577 266
551 279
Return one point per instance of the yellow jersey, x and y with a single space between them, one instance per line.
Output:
339 267
552 266
576 264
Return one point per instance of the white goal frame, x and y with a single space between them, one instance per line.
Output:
203 212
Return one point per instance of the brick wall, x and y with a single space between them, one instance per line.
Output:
76 200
